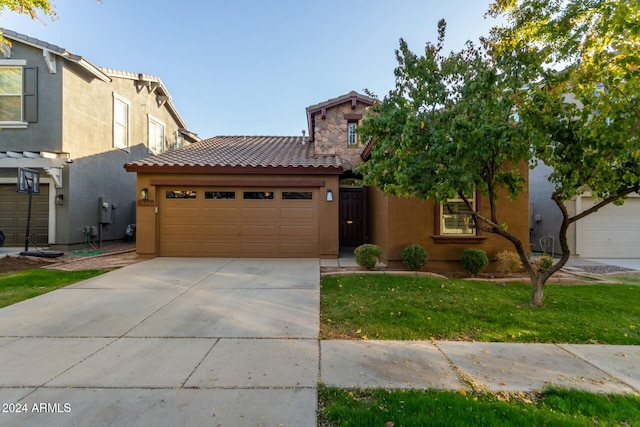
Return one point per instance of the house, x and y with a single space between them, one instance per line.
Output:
76 124
611 232
296 196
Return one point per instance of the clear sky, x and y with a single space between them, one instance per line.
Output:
251 67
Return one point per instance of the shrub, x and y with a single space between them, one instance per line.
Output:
508 262
474 260
368 255
543 263
414 257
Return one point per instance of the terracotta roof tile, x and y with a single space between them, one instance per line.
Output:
241 152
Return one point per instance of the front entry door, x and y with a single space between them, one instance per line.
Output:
352 217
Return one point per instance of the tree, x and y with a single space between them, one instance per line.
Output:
26 7
449 129
587 115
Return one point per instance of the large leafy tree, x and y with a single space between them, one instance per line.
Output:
450 128
34 8
584 106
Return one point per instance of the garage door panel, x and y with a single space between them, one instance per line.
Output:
250 231
298 249
14 208
274 227
297 231
259 212
219 213
220 230
303 213
612 232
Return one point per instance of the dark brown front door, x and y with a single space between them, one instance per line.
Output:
352 218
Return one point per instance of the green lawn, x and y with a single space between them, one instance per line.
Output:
554 407
16 287
389 307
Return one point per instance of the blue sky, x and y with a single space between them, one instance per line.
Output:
251 67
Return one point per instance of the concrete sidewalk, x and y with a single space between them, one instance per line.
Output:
234 342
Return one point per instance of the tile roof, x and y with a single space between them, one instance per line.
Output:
239 153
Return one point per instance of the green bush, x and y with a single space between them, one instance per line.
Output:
368 255
474 260
543 263
414 257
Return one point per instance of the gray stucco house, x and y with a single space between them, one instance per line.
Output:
77 124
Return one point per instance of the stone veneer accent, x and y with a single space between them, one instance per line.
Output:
330 137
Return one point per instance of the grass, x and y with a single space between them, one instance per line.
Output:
557 407
16 287
388 307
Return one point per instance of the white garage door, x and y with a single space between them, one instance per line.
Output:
238 222
612 232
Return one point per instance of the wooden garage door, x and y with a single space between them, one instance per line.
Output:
612 232
238 222
14 207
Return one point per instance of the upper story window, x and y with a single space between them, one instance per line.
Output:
352 135
18 94
120 122
156 135
455 218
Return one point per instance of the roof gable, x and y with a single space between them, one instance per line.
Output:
352 97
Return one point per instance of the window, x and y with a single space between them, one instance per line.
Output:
255 195
18 93
120 122
220 195
455 218
156 135
297 195
180 194
10 94
352 136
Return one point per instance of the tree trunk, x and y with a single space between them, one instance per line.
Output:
538 292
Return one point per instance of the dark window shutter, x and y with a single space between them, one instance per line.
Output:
30 94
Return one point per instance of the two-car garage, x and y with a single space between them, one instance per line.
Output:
238 221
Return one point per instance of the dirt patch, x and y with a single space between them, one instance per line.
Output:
112 256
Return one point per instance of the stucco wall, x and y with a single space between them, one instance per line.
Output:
399 222
46 133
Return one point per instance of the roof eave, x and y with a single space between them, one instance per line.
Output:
260 170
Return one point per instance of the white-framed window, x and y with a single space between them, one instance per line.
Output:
352 135
120 122
10 94
156 135
18 93
455 218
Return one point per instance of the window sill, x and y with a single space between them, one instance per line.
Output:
459 239
14 125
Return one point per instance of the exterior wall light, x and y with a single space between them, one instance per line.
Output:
144 194
329 196
59 200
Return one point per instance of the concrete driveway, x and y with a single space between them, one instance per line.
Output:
167 342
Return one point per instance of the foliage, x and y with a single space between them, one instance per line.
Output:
26 7
414 257
474 260
553 406
388 307
583 108
367 255
543 264
508 262
16 287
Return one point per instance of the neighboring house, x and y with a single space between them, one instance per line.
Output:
611 232
76 124
296 196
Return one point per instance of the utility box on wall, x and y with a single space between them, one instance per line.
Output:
104 209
